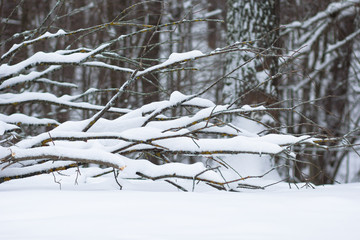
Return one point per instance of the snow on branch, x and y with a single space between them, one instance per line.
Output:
52 58
6 127
121 142
174 58
56 153
48 98
68 58
46 35
112 143
22 119
34 170
339 44
306 36
329 12
32 76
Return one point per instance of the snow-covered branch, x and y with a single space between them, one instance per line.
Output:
121 138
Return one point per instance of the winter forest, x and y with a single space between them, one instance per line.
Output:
239 100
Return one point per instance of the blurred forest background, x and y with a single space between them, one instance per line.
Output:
311 53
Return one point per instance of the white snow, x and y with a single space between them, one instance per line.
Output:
177 96
27 78
18 118
58 153
12 98
104 65
212 13
39 58
6 127
173 58
95 209
46 35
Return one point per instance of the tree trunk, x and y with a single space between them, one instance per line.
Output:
150 82
255 23
336 104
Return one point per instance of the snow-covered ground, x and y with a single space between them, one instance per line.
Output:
35 208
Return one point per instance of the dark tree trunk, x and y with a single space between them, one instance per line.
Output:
336 104
150 82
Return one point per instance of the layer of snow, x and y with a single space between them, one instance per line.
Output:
36 209
19 118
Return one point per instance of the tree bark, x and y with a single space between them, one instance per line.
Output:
254 23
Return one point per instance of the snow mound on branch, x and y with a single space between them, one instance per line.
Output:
173 58
6 127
